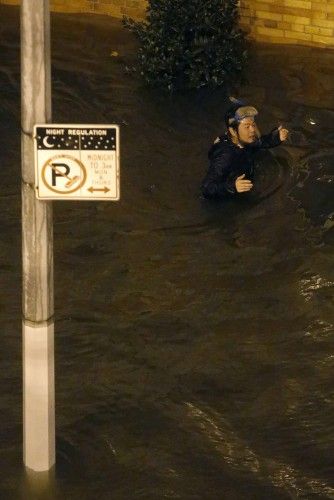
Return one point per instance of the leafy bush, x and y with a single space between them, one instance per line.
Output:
189 43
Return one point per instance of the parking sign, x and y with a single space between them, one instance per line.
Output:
77 162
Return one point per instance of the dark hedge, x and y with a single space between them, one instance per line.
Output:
190 43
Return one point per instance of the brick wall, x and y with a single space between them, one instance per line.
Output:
115 8
306 22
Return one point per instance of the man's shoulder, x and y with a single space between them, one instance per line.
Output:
222 140
221 145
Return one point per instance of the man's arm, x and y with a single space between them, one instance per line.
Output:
275 138
218 182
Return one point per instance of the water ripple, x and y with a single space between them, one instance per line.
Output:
309 286
240 456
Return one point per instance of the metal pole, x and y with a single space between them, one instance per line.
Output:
37 246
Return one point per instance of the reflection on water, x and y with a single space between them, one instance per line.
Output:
309 285
239 456
194 340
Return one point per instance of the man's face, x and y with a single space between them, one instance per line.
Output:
248 131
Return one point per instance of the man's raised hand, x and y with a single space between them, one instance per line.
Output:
242 185
283 133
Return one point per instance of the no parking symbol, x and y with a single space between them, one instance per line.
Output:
64 174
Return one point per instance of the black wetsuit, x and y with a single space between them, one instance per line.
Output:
228 161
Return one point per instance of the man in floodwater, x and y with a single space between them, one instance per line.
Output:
231 156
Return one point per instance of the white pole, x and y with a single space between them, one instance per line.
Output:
37 246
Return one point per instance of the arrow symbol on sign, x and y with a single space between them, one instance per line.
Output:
92 189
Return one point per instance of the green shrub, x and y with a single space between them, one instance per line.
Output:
189 43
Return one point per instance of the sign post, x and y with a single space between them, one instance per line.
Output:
37 246
64 162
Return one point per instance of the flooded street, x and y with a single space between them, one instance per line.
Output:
194 340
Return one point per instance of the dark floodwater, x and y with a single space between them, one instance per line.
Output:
194 342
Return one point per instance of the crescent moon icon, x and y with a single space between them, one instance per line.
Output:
46 143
